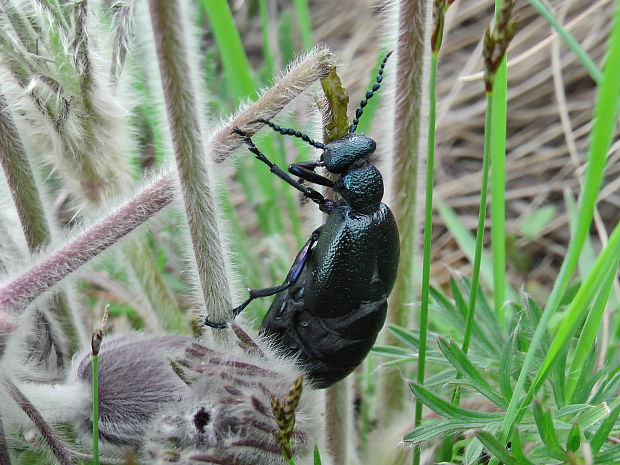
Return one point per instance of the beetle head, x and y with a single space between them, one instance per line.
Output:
341 154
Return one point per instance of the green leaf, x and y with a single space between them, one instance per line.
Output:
610 456
538 220
517 448
234 59
391 351
600 139
505 366
573 441
495 447
317 456
459 360
435 428
473 451
405 336
459 300
608 388
586 346
546 430
603 431
439 298
448 410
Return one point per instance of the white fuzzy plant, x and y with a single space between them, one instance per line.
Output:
188 401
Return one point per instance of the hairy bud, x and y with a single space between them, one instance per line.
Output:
228 418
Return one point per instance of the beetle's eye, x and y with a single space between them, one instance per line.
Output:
201 419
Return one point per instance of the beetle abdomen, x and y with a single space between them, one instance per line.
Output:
327 348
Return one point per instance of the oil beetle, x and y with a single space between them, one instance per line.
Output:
333 302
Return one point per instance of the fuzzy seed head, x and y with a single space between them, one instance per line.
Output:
232 414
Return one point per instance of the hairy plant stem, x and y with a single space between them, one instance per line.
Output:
22 290
16 295
159 295
56 446
169 29
338 405
4 448
35 225
408 139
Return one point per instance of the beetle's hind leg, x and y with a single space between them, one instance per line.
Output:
291 278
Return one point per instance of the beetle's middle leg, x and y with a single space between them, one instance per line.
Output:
291 277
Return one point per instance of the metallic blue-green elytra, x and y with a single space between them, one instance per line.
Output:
330 317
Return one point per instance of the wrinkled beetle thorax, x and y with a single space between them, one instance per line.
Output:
361 188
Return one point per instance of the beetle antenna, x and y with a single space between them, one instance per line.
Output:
369 94
291 132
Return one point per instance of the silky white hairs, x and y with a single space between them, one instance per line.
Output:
198 403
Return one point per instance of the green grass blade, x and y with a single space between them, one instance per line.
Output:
482 214
603 431
546 430
268 67
588 333
305 25
505 366
317 456
606 264
499 110
467 370
568 39
467 244
405 336
428 232
610 456
435 428
446 409
234 60
495 447
604 121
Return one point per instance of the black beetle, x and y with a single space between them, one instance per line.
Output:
333 302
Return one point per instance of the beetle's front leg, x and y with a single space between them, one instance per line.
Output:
308 192
305 171
291 278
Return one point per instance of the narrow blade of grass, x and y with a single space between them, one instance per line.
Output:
498 187
467 244
234 59
568 39
495 447
305 25
604 122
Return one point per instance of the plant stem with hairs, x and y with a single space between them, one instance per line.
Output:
29 205
56 446
17 294
406 138
181 105
4 448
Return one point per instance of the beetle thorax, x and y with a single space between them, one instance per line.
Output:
361 188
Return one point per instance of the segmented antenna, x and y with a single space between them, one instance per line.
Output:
291 132
369 94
